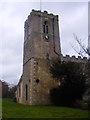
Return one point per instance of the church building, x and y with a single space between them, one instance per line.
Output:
41 47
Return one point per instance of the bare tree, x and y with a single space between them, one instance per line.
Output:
83 50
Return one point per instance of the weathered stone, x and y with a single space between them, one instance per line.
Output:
39 51
41 47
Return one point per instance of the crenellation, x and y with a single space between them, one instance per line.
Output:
84 58
74 58
79 57
45 12
42 13
51 14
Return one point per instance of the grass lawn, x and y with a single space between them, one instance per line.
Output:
15 110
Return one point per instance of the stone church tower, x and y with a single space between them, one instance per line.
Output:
41 47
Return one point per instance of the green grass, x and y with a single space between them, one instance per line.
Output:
15 110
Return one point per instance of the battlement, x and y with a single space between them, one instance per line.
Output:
40 13
74 59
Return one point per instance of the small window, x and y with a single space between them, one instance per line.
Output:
43 28
19 91
46 29
26 92
45 22
47 58
37 81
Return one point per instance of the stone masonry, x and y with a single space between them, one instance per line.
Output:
41 47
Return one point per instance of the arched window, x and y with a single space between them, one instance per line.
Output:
45 27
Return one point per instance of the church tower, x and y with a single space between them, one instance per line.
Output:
41 47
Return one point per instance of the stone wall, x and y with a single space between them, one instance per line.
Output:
36 81
78 59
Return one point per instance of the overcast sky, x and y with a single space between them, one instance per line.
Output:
73 18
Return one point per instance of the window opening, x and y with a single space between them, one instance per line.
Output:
43 28
19 91
26 92
45 22
47 58
46 29
37 81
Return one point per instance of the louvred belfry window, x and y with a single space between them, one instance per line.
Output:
45 27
